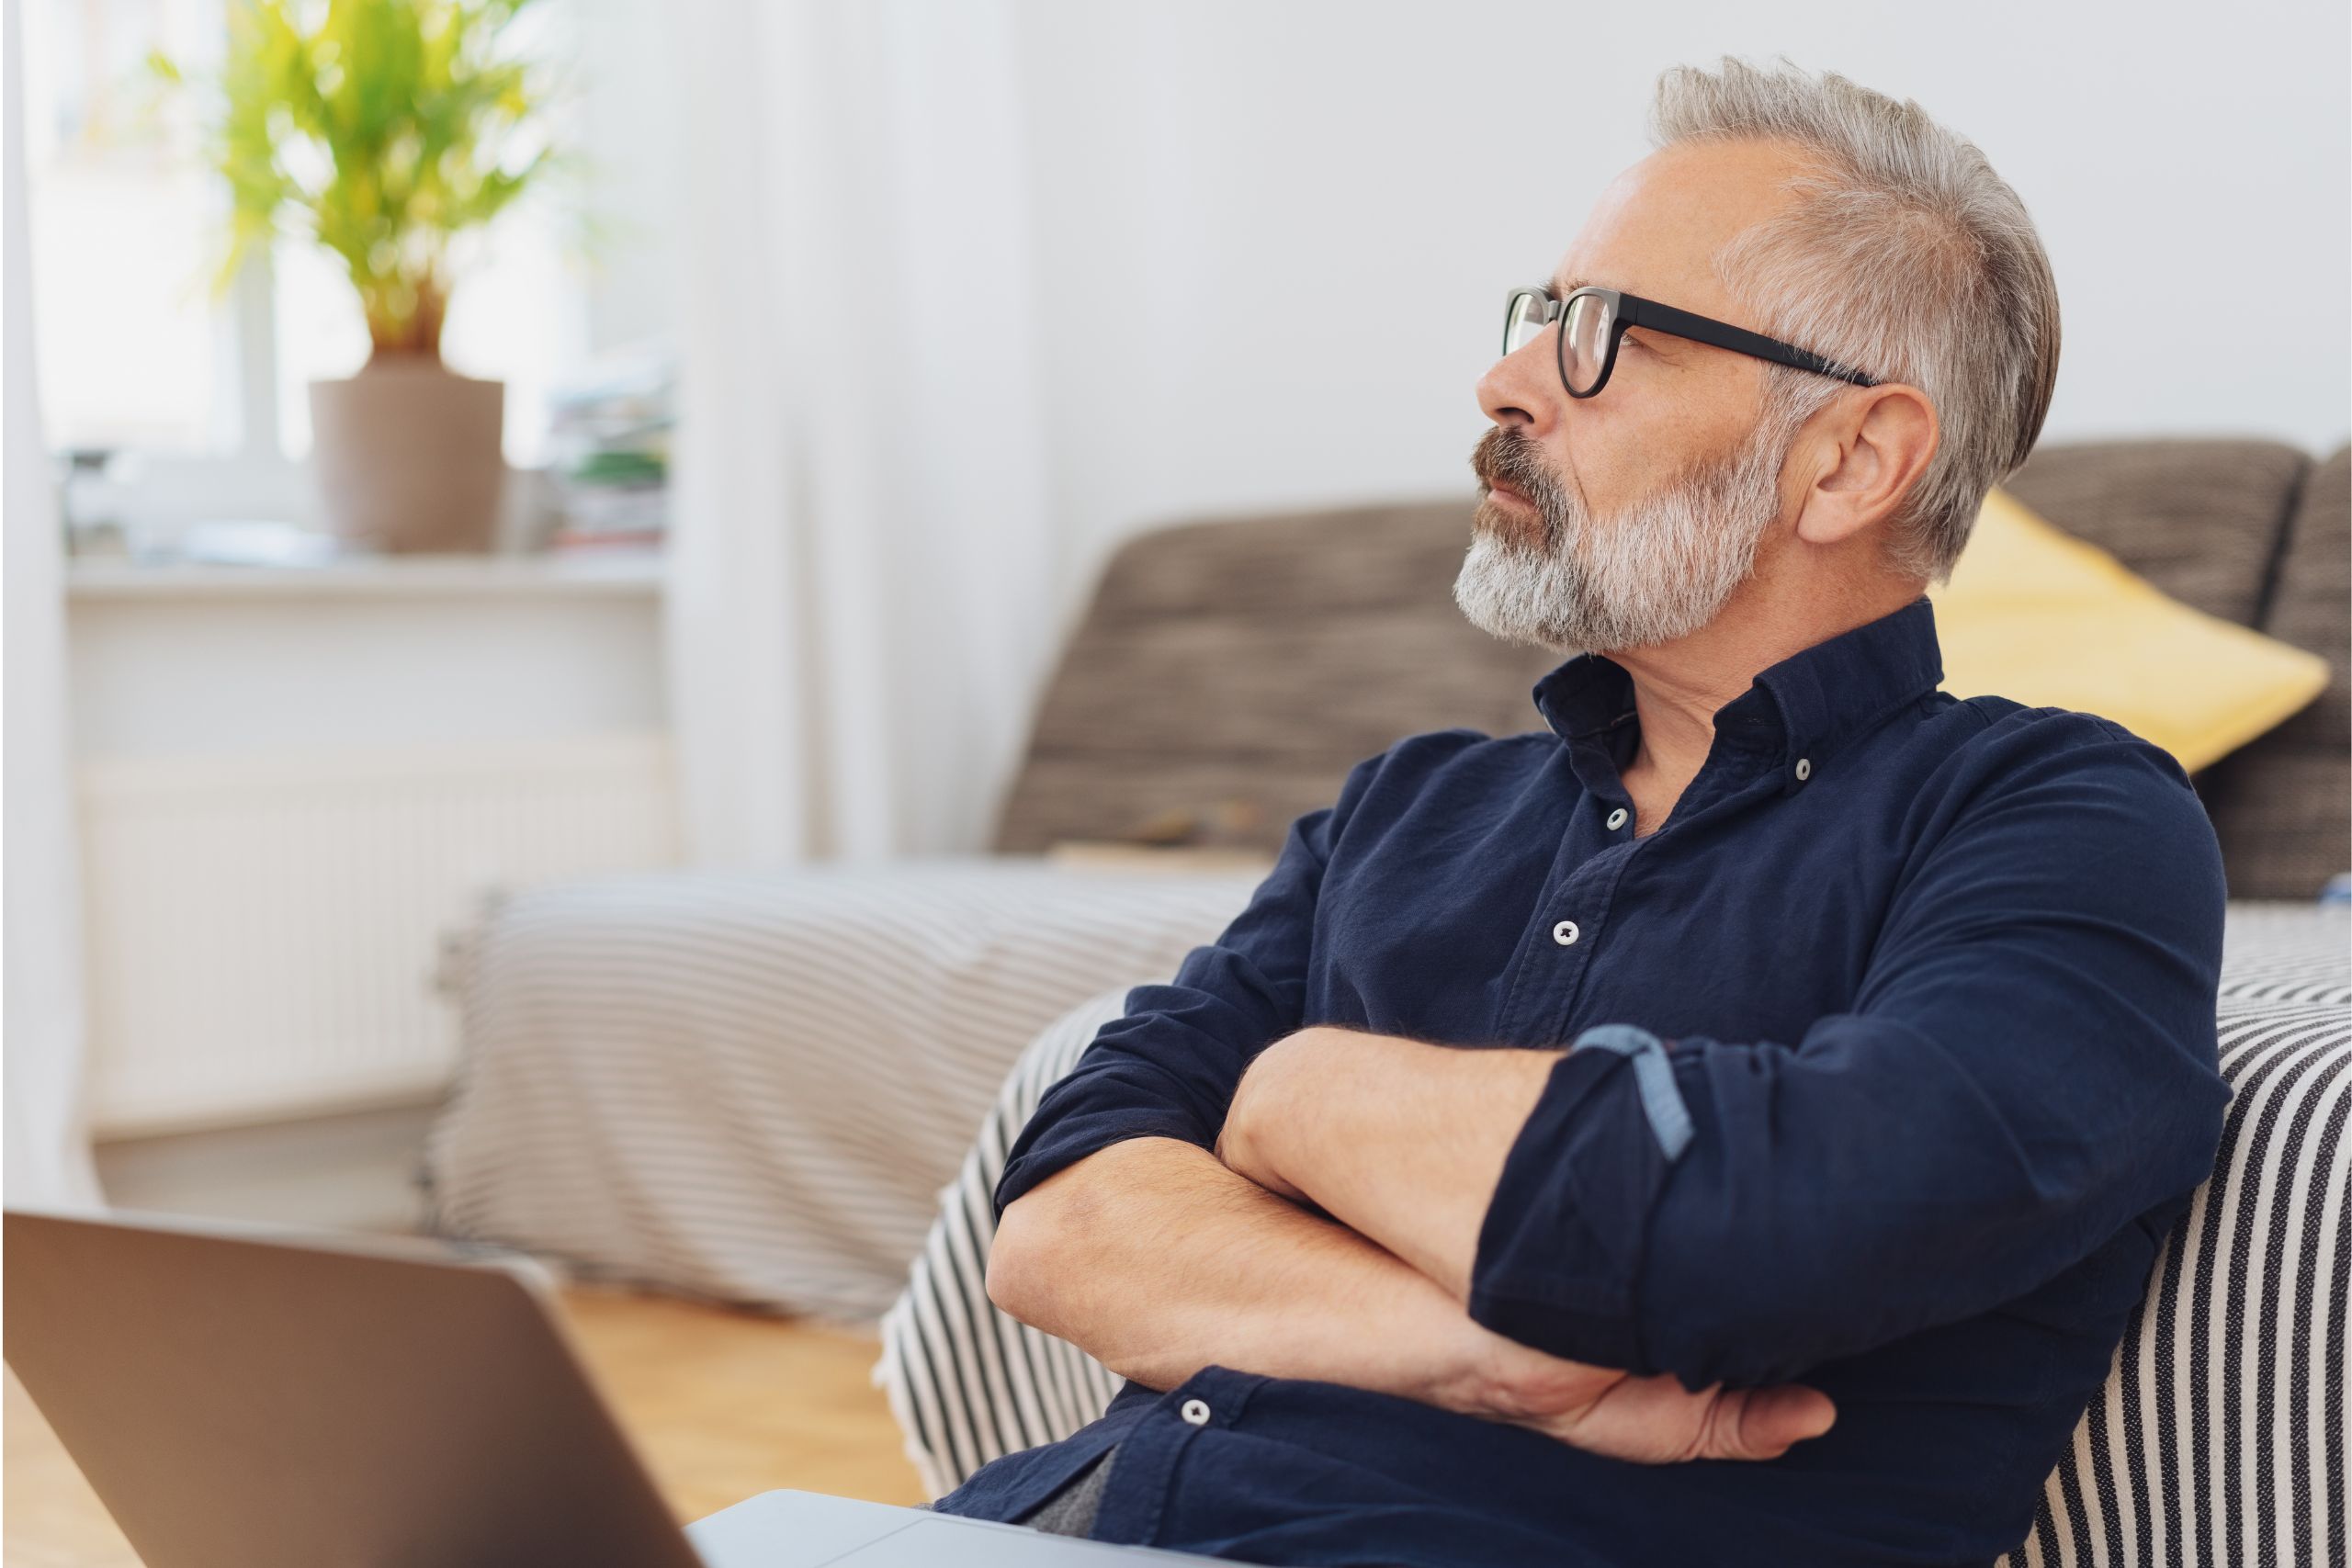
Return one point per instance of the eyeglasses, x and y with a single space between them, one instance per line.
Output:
1593 320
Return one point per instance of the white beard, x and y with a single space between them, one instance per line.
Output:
1661 569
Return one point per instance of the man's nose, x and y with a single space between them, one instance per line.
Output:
1513 390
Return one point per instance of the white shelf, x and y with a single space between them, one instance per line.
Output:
617 572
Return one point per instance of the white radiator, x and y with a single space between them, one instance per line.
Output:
262 931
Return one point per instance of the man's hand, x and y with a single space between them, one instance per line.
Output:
1652 1420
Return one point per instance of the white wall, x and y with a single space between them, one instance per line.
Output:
1275 235
1315 209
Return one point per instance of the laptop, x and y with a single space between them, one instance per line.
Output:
242 1396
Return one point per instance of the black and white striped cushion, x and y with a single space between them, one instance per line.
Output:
968 1382
2221 1436
2219 1439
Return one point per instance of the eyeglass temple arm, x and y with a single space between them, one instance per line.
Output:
1640 312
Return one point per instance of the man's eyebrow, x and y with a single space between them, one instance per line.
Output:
1560 290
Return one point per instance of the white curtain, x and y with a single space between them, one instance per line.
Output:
48 1150
864 566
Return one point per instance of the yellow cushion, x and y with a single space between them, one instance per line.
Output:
2037 616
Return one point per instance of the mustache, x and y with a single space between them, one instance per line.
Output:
1504 455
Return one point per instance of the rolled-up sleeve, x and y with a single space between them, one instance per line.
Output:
2030 1066
1168 1068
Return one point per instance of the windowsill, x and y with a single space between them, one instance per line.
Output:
614 572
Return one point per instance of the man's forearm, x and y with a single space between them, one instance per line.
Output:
1400 1141
1157 1261
1156 1258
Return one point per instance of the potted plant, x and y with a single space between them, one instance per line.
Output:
383 131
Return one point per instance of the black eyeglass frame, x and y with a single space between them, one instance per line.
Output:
1632 310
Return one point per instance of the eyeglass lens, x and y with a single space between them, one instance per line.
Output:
1584 341
1524 320
1584 338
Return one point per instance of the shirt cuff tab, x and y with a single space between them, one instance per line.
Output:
1652 1075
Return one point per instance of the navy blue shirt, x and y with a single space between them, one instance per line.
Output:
1893 1058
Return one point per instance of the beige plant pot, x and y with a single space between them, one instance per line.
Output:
408 456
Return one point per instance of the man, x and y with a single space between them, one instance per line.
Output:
1733 1121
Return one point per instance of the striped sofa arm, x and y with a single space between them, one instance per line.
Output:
968 1382
2221 1435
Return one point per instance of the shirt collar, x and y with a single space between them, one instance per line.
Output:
1808 705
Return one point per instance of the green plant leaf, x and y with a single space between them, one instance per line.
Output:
380 129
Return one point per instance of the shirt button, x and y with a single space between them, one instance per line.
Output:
1196 1412
1805 769
1564 933
1617 819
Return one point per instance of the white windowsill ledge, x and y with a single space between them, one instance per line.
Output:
619 572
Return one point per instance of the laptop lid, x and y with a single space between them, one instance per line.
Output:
241 1397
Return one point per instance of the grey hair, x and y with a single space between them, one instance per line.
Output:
1902 255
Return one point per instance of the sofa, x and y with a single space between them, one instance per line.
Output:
763 1086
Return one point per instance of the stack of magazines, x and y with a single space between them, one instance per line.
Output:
609 450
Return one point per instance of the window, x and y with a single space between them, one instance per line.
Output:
127 226
133 352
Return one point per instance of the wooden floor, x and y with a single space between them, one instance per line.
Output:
722 1403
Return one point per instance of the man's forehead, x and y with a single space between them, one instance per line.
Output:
1655 230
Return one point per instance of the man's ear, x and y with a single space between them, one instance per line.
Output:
1877 442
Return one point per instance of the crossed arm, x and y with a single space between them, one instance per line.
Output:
1402 1141
1158 1258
